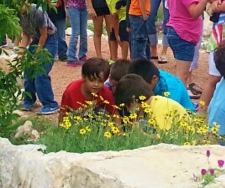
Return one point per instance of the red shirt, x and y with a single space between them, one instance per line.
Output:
73 96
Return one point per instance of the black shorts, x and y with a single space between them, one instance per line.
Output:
124 35
102 11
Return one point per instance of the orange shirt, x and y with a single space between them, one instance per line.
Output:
135 7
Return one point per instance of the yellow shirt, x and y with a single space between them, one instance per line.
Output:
167 112
112 8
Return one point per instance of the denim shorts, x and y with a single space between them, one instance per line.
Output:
182 49
124 35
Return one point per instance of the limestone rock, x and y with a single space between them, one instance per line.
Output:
24 129
69 32
160 166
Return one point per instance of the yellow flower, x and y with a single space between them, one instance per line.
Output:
214 130
166 94
207 142
107 134
115 130
78 118
151 121
216 125
124 134
94 95
142 97
110 124
88 128
101 98
202 103
145 105
125 120
191 128
122 105
90 116
133 116
116 107
116 116
90 103
183 124
106 102
187 143
148 110
82 131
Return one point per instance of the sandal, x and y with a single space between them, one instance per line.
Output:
162 60
195 89
154 57
193 95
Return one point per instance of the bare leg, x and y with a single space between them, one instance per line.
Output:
98 23
154 52
124 49
108 21
208 91
182 70
114 50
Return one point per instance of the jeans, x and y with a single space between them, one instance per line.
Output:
78 20
62 46
151 23
41 84
140 46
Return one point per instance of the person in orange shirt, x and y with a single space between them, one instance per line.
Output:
138 12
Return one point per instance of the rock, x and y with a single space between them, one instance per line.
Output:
160 166
34 135
25 129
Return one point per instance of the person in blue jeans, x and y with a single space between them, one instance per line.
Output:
137 16
77 11
161 82
59 20
37 26
152 31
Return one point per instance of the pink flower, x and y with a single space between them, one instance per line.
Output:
203 171
207 153
220 163
211 171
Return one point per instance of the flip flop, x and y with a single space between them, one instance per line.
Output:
162 60
193 95
195 88
154 57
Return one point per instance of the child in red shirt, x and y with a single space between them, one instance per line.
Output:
91 87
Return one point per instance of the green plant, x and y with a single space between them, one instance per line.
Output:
86 131
208 175
29 63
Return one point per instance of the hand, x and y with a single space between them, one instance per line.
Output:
91 12
128 29
215 6
145 17
118 40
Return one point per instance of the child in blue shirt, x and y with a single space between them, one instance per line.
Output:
216 109
161 82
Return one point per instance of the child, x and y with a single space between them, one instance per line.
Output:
161 82
98 12
77 11
216 110
160 106
118 35
95 71
59 20
184 32
139 11
117 71
37 26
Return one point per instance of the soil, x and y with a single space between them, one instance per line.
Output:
61 75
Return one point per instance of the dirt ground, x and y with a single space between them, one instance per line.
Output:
62 75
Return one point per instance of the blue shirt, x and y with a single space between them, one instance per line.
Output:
216 110
177 91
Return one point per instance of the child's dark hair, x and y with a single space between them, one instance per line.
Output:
130 88
94 66
120 3
145 68
119 69
219 59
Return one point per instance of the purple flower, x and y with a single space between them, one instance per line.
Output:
207 153
220 163
203 171
211 171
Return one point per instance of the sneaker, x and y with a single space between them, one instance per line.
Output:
28 107
48 110
111 62
83 58
63 58
74 63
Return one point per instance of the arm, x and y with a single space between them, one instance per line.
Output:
43 36
143 9
91 10
196 9
217 7
25 40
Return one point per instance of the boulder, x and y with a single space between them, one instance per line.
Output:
159 166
